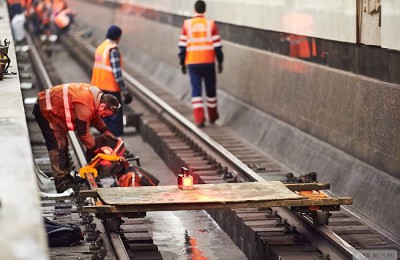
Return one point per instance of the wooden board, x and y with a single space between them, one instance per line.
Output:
203 193
204 196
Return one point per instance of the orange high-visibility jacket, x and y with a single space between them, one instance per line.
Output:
200 37
302 46
63 105
102 75
57 7
62 19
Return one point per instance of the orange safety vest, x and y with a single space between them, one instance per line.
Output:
58 6
62 19
199 42
102 75
302 46
59 105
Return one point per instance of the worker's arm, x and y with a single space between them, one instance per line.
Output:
115 60
217 46
83 116
99 124
182 49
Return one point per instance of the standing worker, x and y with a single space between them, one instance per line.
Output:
107 75
199 44
70 107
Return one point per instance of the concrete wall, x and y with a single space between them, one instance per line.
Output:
22 231
267 98
269 14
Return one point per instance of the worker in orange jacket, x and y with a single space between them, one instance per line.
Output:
107 75
63 20
299 24
43 12
61 17
57 7
71 107
200 45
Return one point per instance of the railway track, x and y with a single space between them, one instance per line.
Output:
217 155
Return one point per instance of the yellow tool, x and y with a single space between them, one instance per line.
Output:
90 168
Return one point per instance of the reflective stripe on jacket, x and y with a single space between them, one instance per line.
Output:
200 37
102 75
63 105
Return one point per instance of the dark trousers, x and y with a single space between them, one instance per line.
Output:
58 154
115 122
198 74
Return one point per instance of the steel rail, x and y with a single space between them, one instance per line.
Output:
335 245
192 127
339 248
37 60
114 237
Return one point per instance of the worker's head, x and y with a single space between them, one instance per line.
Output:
114 33
200 7
109 105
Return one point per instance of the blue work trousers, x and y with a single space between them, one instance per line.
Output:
115 123
199 72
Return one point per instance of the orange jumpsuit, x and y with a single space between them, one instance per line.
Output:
63 108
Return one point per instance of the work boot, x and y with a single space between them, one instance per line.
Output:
200 125
212 121
66 182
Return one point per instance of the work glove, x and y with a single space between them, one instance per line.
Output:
183 69
91 153
127 97
220 68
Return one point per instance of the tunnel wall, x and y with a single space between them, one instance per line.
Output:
356 114
343 117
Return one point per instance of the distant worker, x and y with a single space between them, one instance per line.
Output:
62 21
199 44
43 11
299 25
61 17
107 75
71 107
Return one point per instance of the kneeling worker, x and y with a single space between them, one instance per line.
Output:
71 107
